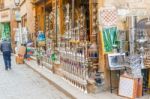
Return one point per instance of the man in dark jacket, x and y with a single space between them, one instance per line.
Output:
6 50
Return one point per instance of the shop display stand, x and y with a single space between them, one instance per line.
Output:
49 30
77 60
72 61
80 48
73 69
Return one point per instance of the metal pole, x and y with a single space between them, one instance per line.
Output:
73 15
132 31
44 16
56 22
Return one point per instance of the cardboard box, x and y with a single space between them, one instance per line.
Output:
139 87
55 67
41 43
22 50
91 87
19 60
130 87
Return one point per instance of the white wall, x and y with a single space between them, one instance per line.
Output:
132 3
9 3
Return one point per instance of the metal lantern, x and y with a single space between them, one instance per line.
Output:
17 2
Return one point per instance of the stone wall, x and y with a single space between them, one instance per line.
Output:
27 8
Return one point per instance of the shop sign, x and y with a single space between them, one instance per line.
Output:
5 16
18 16
133 1
123 12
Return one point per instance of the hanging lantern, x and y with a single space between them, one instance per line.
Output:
17 2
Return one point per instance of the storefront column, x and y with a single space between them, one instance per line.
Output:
13 26
132 30
102 56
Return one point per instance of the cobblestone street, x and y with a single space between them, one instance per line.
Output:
23 83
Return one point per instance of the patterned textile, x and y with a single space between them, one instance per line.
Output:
108 16
109 38
6 30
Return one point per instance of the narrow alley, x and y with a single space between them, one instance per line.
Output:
23 83
75 49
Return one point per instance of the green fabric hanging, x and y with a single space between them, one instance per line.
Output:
5 30
109 37
53 57
1 29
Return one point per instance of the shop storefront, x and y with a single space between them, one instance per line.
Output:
67 28
95 45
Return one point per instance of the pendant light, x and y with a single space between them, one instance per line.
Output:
17 2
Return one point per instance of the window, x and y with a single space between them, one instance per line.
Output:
24 20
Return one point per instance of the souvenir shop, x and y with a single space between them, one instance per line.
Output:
46 32
95 46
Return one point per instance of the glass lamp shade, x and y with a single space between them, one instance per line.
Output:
141 36
17 2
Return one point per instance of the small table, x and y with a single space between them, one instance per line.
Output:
110 74
115 63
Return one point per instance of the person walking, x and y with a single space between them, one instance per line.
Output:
6 49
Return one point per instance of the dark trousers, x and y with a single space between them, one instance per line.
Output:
7 59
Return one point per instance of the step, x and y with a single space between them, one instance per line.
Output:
59 82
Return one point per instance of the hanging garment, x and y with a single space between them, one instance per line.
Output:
6 31
109 38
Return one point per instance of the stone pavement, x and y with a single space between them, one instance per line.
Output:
68 88
23 83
